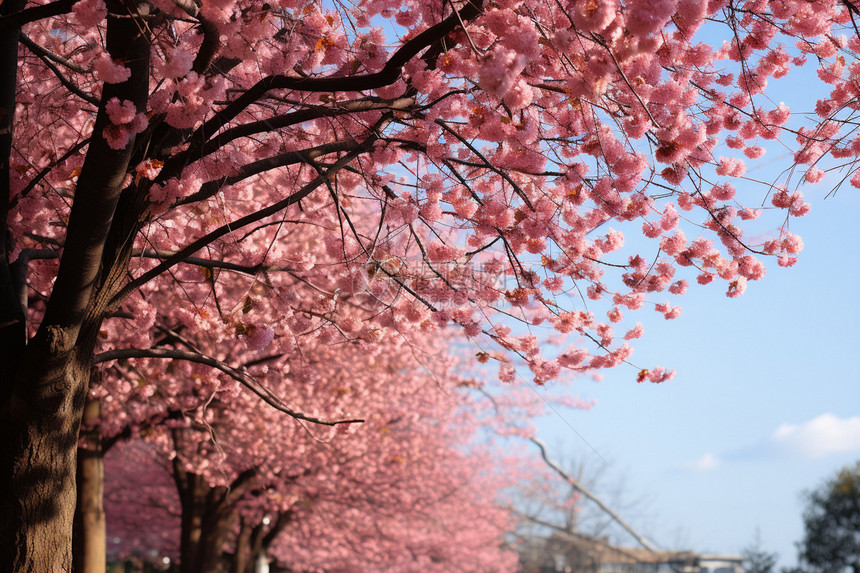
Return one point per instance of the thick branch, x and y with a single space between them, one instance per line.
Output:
98 189
207 263
126 433
245 379
238 487
19 271
296 117
389 74
284 519
21 17
210 188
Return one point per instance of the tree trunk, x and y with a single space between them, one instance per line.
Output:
204 525
242 550
216 526
13 335
44 385
41 425
254 541
188 487
208 517
90 533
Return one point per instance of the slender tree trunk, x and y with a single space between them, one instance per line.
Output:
188 487
13 335
216 526
242 550
90 533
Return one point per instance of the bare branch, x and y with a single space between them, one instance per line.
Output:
44 52
46 58
487 163
35 180
579 487
21 17
573 535
288 119
591 496
208 263
210 188
389 74
245 379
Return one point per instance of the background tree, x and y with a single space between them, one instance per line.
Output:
831 522
231 446
140 138
756 559
402 491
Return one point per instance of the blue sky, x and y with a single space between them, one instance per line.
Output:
765 405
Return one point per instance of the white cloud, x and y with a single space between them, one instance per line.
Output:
705 463
822 436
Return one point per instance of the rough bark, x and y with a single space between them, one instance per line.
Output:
45 392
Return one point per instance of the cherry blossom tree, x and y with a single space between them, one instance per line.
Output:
236 466
400 492
325 373
478 139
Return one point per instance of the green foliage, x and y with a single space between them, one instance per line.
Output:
831 542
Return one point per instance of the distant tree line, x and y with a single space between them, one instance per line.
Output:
831 522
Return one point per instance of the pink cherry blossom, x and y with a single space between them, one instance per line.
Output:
110 71
248 183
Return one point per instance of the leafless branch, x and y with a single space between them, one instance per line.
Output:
35 13
242 377
207 263
44 52
67 83
591 496
488 164
210 188
389 74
